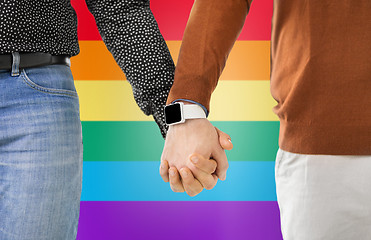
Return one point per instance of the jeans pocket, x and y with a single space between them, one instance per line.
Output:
279 157
51 79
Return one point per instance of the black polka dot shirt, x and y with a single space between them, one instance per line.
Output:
127 27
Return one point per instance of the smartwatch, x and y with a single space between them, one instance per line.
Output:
179 112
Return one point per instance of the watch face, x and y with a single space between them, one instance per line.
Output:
173 114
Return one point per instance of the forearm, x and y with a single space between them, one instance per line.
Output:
211 31
130 32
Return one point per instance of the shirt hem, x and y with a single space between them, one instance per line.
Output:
326 140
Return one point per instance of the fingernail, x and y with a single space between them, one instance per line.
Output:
172 172
184 172
229 140
194 159
162 166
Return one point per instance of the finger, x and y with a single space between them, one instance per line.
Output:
175 183
203 169
164 170
204 164
224 140
190 184
222 164
208 181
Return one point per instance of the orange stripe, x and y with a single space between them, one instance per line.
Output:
248 60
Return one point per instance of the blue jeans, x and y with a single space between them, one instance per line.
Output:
40 154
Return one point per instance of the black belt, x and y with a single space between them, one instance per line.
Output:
28 60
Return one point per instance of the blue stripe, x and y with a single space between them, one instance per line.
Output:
140 181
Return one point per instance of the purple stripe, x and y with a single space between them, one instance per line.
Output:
179 220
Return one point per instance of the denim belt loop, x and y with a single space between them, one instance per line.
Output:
69 62
15 65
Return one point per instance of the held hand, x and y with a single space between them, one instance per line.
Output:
184 180
183 140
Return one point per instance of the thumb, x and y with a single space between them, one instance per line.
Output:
224 140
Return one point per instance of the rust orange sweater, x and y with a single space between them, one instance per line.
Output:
320 75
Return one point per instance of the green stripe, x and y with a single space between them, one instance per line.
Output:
141 141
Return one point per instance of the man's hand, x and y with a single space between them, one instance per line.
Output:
194 139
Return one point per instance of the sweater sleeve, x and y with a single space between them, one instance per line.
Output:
130 32
213 27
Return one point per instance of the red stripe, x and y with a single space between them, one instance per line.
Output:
86 28
172 18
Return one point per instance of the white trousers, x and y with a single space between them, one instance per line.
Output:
324 197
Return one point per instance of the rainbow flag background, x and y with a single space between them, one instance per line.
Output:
123 195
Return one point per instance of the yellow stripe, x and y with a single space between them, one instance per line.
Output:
248 60
231 101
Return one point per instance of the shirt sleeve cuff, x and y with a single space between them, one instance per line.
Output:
190 101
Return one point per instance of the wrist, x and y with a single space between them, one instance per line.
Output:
179 112
192 102
189 125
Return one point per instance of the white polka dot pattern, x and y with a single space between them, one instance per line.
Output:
127 27
42 26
